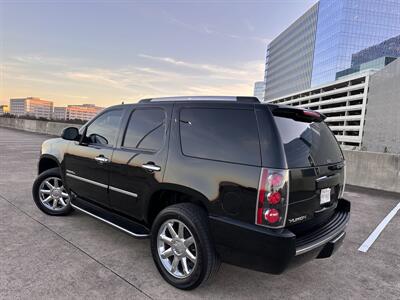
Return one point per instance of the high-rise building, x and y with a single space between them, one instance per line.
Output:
387 48
60 113
328 39
374 57
259 90
289 58
31 107
82 112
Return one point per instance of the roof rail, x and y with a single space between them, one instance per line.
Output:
242 99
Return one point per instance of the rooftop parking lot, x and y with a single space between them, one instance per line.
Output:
80 257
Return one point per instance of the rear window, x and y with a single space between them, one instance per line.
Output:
229 135
145 129
308 144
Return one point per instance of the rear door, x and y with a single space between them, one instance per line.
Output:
316 168
138 164
215 154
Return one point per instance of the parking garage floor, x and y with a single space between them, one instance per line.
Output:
80 257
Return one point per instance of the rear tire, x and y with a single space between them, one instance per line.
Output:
184 257
49 193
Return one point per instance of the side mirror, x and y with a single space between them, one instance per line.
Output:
70 134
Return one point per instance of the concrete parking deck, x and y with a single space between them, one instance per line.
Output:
80 257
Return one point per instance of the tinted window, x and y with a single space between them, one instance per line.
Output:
104 129
146 129
220 134
308 144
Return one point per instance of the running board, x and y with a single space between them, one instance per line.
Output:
128 226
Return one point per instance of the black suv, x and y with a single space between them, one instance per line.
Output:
206 179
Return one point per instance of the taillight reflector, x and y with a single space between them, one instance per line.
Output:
274 198
272 215
275 180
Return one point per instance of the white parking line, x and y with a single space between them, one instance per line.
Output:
374 235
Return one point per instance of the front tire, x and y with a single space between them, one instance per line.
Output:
50 195
181 246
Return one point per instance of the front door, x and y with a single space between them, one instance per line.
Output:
138 165
86 164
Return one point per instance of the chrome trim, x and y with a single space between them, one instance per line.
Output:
195 98
288 196
339 237
333 237
344 179
110 223
102 185
151 167
101 159
321 178
87 180
123 191
70 171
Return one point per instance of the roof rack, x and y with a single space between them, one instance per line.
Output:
241 99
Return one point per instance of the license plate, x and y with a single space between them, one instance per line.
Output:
325 196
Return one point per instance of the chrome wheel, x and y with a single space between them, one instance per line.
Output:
52 194
177 248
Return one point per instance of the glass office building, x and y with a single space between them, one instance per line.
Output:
289 57
375 57
342 30
259 90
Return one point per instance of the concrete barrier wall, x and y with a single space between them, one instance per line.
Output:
373 170
45 127
366 169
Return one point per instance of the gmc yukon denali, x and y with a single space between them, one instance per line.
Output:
207 179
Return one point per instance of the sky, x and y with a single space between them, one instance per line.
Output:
105 52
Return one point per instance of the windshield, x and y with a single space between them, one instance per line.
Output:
308 144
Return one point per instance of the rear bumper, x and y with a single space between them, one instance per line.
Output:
274 251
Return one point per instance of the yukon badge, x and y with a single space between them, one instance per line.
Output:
298 219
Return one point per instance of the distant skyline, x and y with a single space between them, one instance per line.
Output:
105 52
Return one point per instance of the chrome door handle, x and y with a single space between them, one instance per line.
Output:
151 167
101 159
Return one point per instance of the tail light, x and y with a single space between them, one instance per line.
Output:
312 114
273 198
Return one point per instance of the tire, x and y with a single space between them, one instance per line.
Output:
59 197
195 224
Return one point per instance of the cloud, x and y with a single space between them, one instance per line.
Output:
164 76
41 59
95 75
220 71
208 30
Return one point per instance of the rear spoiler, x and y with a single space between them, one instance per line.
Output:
298 114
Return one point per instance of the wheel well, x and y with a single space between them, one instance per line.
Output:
46 164
164 198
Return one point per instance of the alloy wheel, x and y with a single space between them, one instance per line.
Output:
53 195
177 248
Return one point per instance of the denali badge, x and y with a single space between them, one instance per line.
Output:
298 219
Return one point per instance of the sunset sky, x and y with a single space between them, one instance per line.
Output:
105 52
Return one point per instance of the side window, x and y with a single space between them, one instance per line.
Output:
220 134
146 129
104 129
